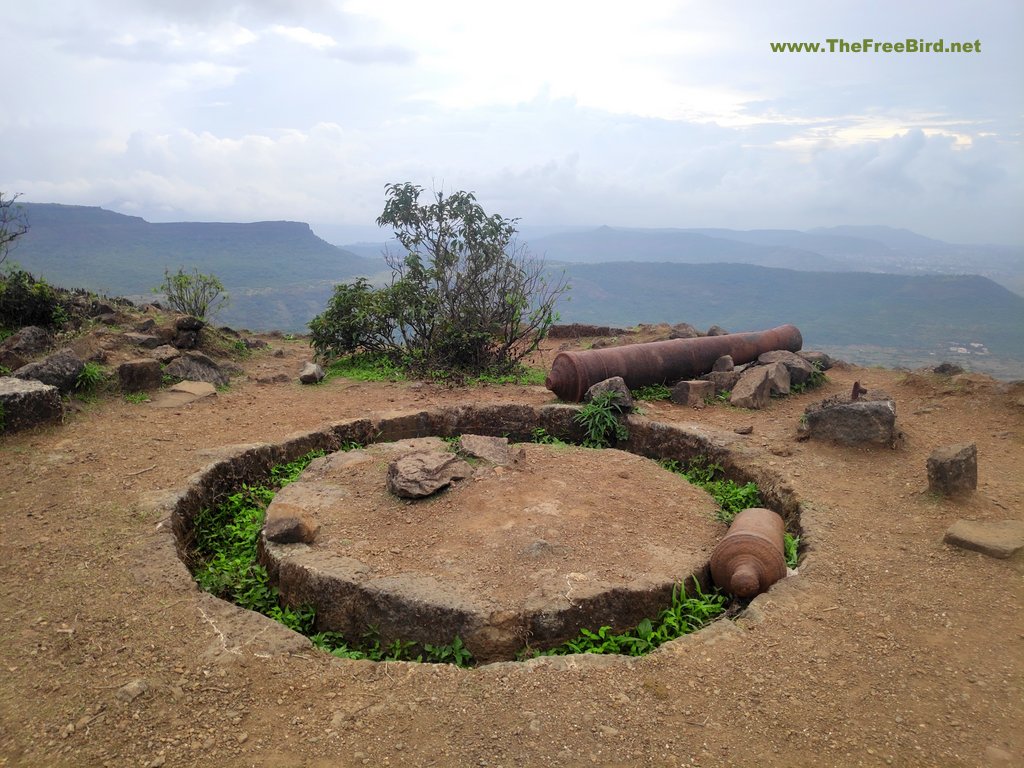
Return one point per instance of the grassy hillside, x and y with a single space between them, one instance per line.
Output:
105 251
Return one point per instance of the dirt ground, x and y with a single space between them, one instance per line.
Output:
888 648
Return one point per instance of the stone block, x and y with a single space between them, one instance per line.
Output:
311 374
28 403
953 469
693 392
778 378
724 381
852 422
140 375
724 363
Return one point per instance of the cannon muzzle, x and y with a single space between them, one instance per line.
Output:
662 362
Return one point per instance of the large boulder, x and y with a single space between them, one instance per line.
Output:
724 381
420 474
311 373
995 538
778 378
683 331
23 346
851 422
28 403
60 370
799 369
622 399
195 366
753 390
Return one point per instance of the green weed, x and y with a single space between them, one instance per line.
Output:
652 392
791 544
541 436
684 615
600 418
731 497
90 378
136 397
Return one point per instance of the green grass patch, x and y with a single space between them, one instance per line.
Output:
90 378
540 435
365 367
684 615
652 392
136 397
731 497
815 380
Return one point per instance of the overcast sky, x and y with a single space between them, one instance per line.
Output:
650 113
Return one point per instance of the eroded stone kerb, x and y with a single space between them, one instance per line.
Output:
252 463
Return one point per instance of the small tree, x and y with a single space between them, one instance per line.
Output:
193 294
13 223
463 296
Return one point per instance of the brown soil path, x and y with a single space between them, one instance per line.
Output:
889 648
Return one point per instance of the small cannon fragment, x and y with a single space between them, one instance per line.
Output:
662 362
750 557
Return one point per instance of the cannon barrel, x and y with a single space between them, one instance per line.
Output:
661 362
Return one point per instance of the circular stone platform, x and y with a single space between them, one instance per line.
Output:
528 553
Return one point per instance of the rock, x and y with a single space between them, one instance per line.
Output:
692 392
953 469
850 423
60 370
195 366
22 347
997 755
717 330
817 359
110 318
165 353
288 522
251 343
683 331
747 429
724 363
183 393
146 325
131 691
724 381
998 538
420 474
623 399
947 369
753 390
186 340
144 340
276 378
493 449
605 342
799 369
25 404
278 352
311 374
140 375
189 323
778 378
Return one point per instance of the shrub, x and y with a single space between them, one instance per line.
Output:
13 224
26 300
463 297
193 294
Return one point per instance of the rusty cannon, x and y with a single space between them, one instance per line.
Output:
662 362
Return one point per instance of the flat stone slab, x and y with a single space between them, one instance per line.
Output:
183 393
997 538
526 553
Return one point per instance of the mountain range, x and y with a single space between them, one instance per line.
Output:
844 286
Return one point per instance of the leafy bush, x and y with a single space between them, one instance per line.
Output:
464 296
27 300
90 377
193 294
